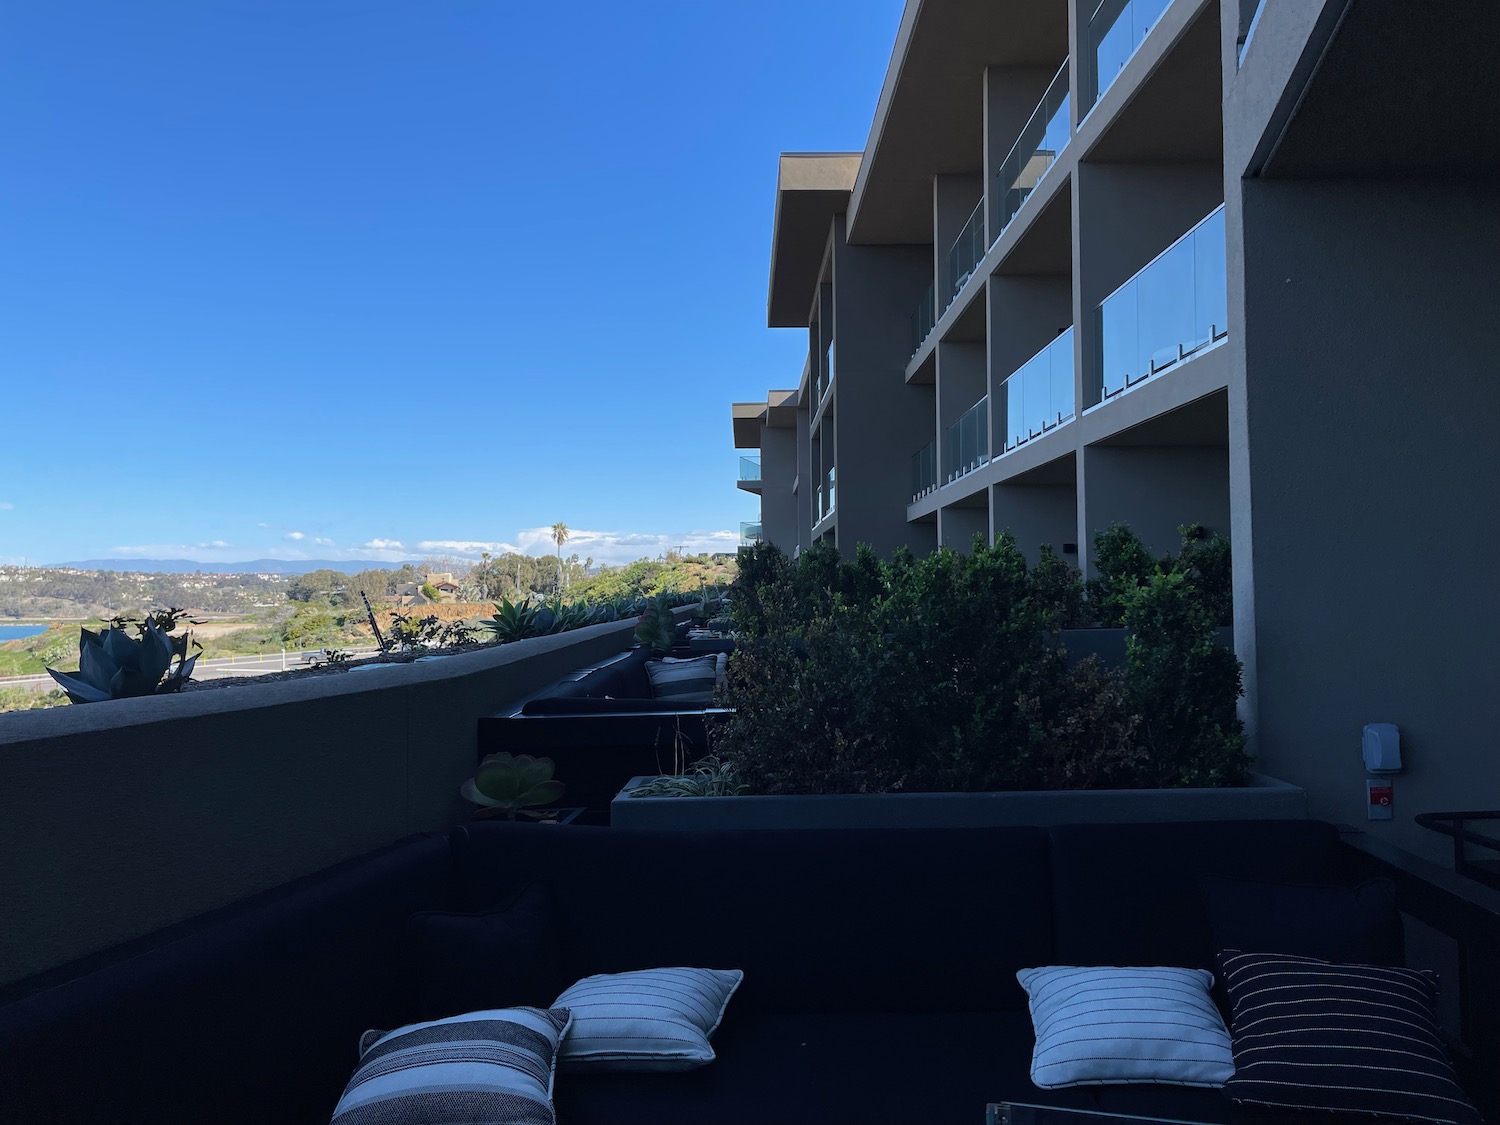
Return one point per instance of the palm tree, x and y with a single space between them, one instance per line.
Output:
560 535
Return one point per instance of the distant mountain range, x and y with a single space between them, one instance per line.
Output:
253 566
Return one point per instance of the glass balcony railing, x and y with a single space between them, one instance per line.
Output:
749 468
923 317
1042 138
749 534
1116 29
830 489
924 471
820 510
1175 307
966 443
965 253
1038 395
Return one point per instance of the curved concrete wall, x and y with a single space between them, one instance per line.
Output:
120 818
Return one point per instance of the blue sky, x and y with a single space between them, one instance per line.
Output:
379 278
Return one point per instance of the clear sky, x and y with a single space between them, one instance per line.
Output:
380 278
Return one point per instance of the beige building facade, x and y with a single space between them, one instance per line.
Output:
1166 262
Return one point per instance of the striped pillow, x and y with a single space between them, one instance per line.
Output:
1310 1034
1105 1025
687 680
656 1019
494 1066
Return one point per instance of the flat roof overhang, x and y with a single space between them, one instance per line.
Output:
1389 89
930 117
811 188
779 411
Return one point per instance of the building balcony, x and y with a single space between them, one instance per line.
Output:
923 319
965 253
966 443
1042 138
749 478
1170 311
1116 29
750 533
1038 396
924 471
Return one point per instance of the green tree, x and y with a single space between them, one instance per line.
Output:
560 534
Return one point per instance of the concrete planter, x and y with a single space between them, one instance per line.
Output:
1264 798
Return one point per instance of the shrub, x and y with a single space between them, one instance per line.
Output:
1082 730
1185 685
1121 566
1058 588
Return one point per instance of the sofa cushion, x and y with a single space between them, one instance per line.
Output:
494 1066
685 681
503 957
652 1019
1098 1025
1129 894
862 920
1359 1038
1357 925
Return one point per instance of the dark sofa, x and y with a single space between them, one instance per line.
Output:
879 969
602 727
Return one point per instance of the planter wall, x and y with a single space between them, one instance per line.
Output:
1264 798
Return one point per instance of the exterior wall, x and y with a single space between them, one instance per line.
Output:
1369 497
127 816
1155 490
778 469
875 289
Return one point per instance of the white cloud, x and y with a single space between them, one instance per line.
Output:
6 505
295 535
262 524
214 545
465 547
383 545
616 548
321 542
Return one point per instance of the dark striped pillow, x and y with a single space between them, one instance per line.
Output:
689 680
1310 1034
1097 1026
493 1066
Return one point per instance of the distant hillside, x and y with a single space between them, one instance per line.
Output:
254 566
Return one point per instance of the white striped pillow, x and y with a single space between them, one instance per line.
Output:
1310 1034
655 1019
686 679
1104 1025
495 1065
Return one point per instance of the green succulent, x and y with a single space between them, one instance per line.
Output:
514 621
114 665
655 628
513 784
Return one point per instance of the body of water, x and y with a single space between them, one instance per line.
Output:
18 632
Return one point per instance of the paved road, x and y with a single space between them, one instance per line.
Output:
217 668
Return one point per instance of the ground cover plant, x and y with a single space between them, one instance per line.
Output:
948 673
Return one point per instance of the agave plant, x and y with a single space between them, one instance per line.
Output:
514 621
654 630
114 665
510 785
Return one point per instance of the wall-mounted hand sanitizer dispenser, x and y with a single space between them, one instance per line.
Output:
1382 747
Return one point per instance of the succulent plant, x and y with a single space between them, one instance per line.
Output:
655 628
513 621
513 784
114 665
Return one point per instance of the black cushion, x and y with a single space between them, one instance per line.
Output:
1358 1038
503 957
847 921
1357 925
1128 894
